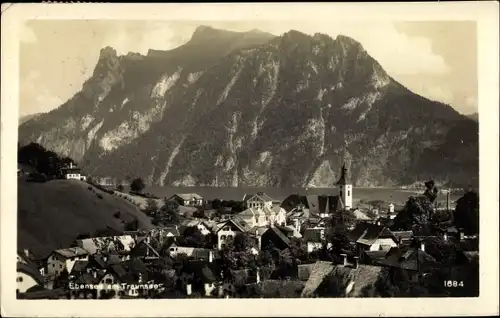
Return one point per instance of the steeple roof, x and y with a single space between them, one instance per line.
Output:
344 177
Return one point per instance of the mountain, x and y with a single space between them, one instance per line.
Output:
252 109
474 116
66 208
25 118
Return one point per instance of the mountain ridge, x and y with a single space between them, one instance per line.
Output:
257 111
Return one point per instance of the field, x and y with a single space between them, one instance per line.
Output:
51 215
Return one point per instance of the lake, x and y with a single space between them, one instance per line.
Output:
395 195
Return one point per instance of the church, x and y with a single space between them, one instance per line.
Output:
322 205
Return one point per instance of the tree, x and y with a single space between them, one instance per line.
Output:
120 188
132 225
467 212
168 214
151 208
416 215
137 185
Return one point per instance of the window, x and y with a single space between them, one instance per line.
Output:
20 279
60 265
53 265
109 281
223 238
348 192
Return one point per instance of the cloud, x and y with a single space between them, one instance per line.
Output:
36 95
27 35
140 38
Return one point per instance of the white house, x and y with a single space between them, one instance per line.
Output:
391 208
372 237
72 172
27 276
187 199
63 259
227 230
107 244
200 225
264 216
259 200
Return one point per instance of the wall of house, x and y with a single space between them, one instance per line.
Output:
228 232
209 287
24 282
311 246
57 263
382 244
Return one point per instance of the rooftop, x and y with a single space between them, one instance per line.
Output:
72 252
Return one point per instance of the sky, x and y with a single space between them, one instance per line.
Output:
436 59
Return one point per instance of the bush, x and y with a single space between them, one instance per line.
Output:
120 188
137 185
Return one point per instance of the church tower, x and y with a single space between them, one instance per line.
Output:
345 188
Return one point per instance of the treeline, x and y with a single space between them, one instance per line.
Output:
45 162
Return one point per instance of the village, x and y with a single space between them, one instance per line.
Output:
303 246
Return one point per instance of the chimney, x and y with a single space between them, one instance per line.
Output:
94 273
400 240
344 259
188 289
258 276
27 253
422 246
148 239
210 256
356 260
445 237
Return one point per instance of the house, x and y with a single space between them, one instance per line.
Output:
254 217
312 205
64 259
314 238
27 277
201 278
227 230
360 216
403 237
289 231
202 226
73 172
192 252
414 260
107 182
146 249
274 237
187 199
258 200
372 237
107 244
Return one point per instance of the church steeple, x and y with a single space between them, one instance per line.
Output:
345 188
344 179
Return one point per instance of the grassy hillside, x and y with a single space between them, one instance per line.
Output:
51 215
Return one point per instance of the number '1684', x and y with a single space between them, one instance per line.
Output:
453 283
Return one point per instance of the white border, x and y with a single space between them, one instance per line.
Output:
484 12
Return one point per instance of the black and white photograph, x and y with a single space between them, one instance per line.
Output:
249 158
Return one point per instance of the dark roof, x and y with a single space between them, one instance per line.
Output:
312 235
344 176
260 195
88 278
403 235
375 256
30 270
280 235
200 269
409 258
79 266
367 233
317 204
119 270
